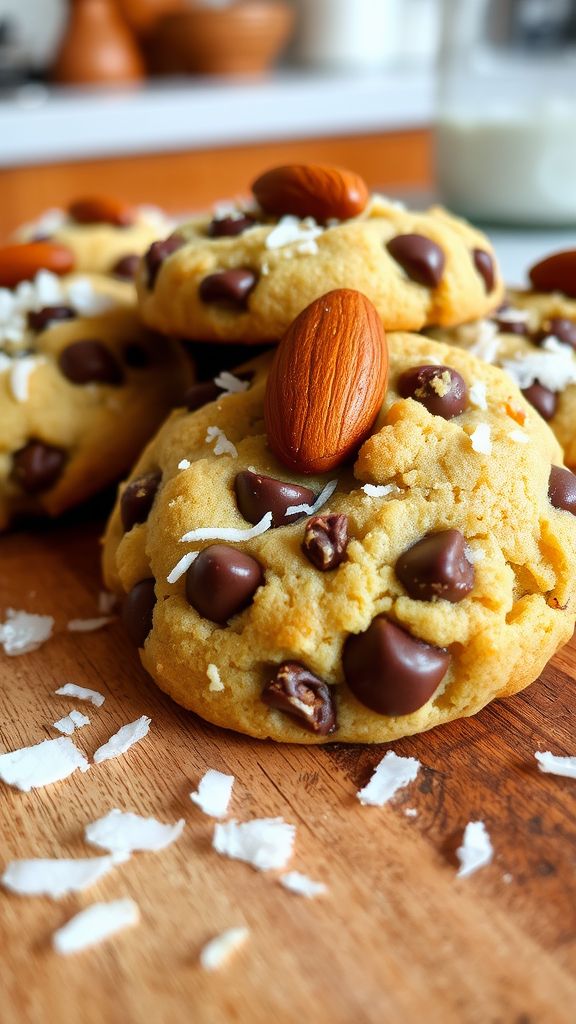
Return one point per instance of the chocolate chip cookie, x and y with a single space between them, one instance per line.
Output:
243 274
428 573
82 388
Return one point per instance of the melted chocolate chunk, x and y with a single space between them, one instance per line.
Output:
421 258
559 327
542 399
136 356
390 671
436 566
137 611
485 266
40 319
126 267
257 494
90 362
158 253
562 489
440 389
303 695
230 226
137 499
228 287
37 466
222 582
325 541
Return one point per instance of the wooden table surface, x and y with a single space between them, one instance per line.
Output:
397 937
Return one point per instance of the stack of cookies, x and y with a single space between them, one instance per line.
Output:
357 534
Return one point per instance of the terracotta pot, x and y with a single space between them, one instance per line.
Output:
97 46
244 38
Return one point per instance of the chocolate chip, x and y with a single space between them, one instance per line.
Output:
440 389
138 609
157 253
90 362
200 394
542 399
136 356
419 257
137 499
562 489
325 541
300 693
559 327
37 466
485 266
436 566
257 494
230 226
390 671
222 582
40 319
509 326
126 267
230 287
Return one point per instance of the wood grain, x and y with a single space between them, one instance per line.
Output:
397 939
194 179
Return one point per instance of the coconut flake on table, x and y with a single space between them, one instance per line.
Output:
477 394
476 850
556 765
125 832
390 775
56 877
214 793
82 693
122 740
265 843
219 950
74 720
182 566
290 230
301 885
222 445
184 464
42 764
228 533
89 625
379 490
480 439
95 924
553 366
20 373
321 500
230 384
23 632
214 678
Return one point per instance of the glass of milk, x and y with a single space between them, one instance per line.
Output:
506 132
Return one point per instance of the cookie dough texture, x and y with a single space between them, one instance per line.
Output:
101 428
500 636
349 254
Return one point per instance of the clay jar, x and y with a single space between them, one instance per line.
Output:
97 46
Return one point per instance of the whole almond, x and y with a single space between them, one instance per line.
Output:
101 210
311 190
326 383
22 262
557 273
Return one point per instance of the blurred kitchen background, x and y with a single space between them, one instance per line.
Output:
181 102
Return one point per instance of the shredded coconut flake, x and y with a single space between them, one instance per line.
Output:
300 884
476 850
474 555
379 490
40 765
228 533
230 384
82 693
411 812
124 832
477 394
95 924
216 684
222 445
553 366
321 500
214 793
89 625
265 843
122 740
71 722
480 439
184 464
181 566
480 338
513 316
555 765
218 951
290 230
20 373
23 632
520 436
390 775
58 877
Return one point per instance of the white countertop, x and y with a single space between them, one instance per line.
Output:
39 124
